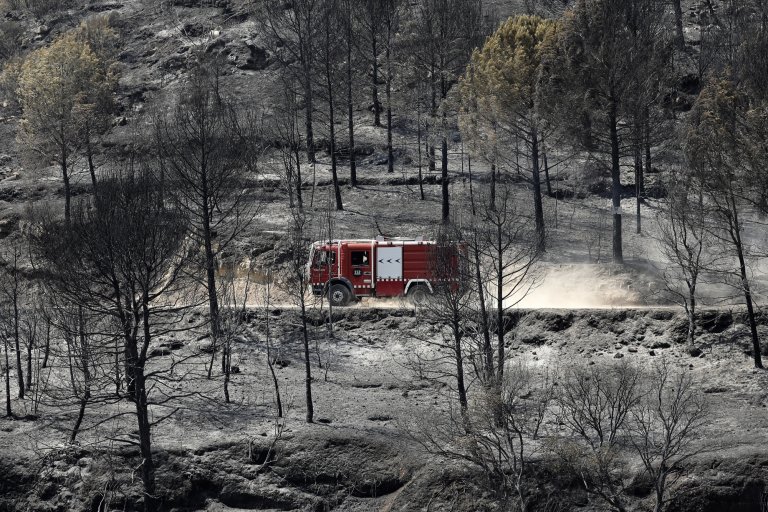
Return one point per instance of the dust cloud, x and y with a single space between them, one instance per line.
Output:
585 286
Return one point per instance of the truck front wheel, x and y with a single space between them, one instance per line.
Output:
339 295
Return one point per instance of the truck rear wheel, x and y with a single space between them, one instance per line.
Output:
418 294
339 295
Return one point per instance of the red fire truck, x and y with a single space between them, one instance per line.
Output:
346 270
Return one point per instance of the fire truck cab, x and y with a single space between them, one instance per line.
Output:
346 270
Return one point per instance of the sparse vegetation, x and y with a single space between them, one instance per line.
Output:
166 166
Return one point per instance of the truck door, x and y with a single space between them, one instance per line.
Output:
360 270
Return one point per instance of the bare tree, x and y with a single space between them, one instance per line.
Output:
503 446
234 319
350 34
450 305
272 357
206 150
120 258
283 130
11 289
509 244
595 404
440 39
605 56
725 147
686 243
666 424
369 18
295 32
330 57
295 282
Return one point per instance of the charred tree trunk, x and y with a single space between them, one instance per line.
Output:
746 289
332 127
307 365
145 442
446 211
638 173
492 192
91 167
350 105
299 199
500 327
85 368
309 106
546 173
691 312
210 273
537 200
17 336
418 139
8 410
151 503
67 189
47 348
460 386
433 115
647 147
618 256
679 34
375 80
28 376
390 151
487 346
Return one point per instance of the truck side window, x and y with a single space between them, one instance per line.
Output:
359 258
324 258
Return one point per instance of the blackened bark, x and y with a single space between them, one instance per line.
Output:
433 114
309 106
736 237
444 180
350 104
28 376
332 126
210 271
648 164
500 327
487 347
86 396
638 174
91 167
67 190
618 256
388 53
418 139
47 348
546 173
17 336
457 334
679 35
492 192
375 79
299 198
8 410
691 310
537 201
307 365
390 152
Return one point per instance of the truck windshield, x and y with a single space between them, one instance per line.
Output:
324 258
